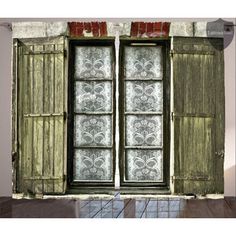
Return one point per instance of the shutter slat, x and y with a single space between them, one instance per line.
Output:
220 122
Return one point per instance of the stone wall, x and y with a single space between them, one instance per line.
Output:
48 29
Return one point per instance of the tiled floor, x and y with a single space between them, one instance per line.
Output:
117 207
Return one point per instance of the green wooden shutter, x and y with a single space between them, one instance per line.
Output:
198 115
41 119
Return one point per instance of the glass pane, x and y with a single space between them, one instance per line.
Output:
92 130
144 165
93 62
92 164
143 130
93 96
143 62
144 96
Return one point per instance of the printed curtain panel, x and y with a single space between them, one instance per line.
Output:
93 135
143 109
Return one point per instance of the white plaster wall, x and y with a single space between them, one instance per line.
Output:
184 30
5 112
230 157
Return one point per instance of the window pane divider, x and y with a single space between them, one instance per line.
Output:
93 113
93 79
94 147
143 147
143 113
137 80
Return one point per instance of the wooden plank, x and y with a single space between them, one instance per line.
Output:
47 163
209 151
19 117
58 154
219 121
26 126
220 209
59 121
14 105
38 154
178 82
24 131
195 161
208 96
48 125
196 209
38 122
129 210
29 129
231 202
59 81
178 144
187 75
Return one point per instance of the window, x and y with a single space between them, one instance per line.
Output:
144 101
92 109
171 115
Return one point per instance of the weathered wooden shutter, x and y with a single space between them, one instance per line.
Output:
198 115
41 115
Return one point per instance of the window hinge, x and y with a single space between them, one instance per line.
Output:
65 115
172 116
64 177
14 156
171 53
65 53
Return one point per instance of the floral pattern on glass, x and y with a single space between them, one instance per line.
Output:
143 62
92 130
93 62
144 96
143 130
92 164
144 165
93 96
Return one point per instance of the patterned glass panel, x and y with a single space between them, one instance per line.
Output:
93 97
144 96
92 164
143 130
144 165
143 63
92 130
93 62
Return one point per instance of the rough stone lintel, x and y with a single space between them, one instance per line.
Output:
47 29
181 29
38 29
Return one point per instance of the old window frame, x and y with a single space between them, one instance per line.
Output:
77 186
169 119
124 185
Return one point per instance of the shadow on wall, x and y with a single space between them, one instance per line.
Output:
230 181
